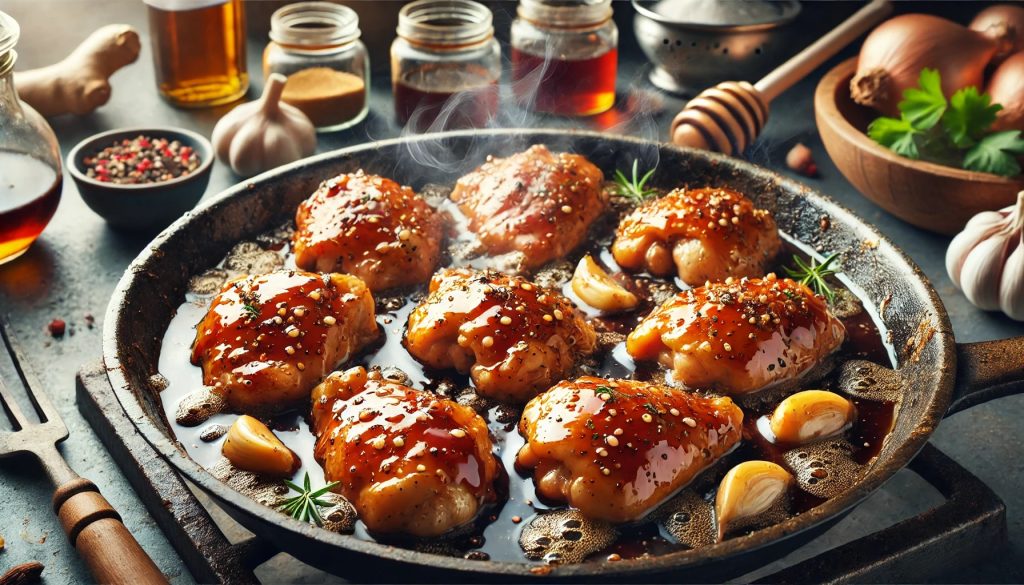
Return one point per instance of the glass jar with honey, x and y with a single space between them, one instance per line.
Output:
316 46
199 50
565 56
30 172
445 66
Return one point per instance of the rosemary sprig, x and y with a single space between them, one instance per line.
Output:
814 274
635 188
305 507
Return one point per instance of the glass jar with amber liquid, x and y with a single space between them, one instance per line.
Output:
565 56
199 50
30 173
445 66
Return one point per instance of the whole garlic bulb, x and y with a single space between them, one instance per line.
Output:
264 134
986 260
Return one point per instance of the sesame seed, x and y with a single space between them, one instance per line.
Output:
404 235
686 347
688 421
506 320
282 311
617 432
315 295
299 311
457 433
398 442
278 320
704 346
330 320
292 331
301 366
711 225
527 286
421 468
289 350
566 209
735 220
605 396
611 440
378 443
487 341
606 471
612 412
558 314
365 415
602 452
548 318
646 417
674 411
727 346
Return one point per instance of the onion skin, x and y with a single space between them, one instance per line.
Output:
1003 23
1006 86
894 54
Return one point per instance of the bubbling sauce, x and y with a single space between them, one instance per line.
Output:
521 527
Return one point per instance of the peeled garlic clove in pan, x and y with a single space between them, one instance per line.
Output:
747 490
810 415
599 290
251 446
985 260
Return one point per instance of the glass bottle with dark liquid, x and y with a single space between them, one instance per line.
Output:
565 56
445 66
30 172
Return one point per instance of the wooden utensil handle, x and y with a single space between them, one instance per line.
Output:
822 50
95 528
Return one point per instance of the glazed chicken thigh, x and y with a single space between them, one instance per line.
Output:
615 449
370 227
267 340
699 234
512 337
410 462
739 336
535 202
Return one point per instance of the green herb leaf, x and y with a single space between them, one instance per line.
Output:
969 116
305 507
635 188
252 310
898 135
924 106
997 154
814 274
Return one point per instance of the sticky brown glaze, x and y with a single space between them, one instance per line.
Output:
699 234
615 449
267 340
512 337
410 462
738 336
370 227
535 202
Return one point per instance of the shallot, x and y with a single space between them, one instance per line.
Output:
1003 23
1006 86
894 54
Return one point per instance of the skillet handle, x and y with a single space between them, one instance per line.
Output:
987 370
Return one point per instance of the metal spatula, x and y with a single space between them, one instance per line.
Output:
93 526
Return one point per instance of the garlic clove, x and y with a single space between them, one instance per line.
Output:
599 290
982 269
747 490
979 228
809 415
1011 283
251 446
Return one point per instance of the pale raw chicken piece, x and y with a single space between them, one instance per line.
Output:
739 336
512 337
616 449
410 462
267 340
535 202
698 234
370 227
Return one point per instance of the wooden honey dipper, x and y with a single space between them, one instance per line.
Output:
729 116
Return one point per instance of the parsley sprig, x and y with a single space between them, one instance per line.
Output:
954 132
305 507
634 188
251 310
814 274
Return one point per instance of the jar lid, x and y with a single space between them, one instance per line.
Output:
9 33
314 24
565 13
445 22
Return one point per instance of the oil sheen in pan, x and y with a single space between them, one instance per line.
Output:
684 521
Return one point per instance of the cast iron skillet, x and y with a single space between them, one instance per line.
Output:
934 386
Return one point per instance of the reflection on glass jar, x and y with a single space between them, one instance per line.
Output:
316 46
30 173
565 56
199 50
445 66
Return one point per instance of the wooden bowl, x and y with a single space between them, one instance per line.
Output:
930 196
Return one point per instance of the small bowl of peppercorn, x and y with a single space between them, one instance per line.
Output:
141 178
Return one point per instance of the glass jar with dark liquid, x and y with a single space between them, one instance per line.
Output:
565 56
445 66
30 172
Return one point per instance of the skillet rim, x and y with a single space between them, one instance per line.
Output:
939 399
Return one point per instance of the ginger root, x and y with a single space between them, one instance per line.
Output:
80 83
